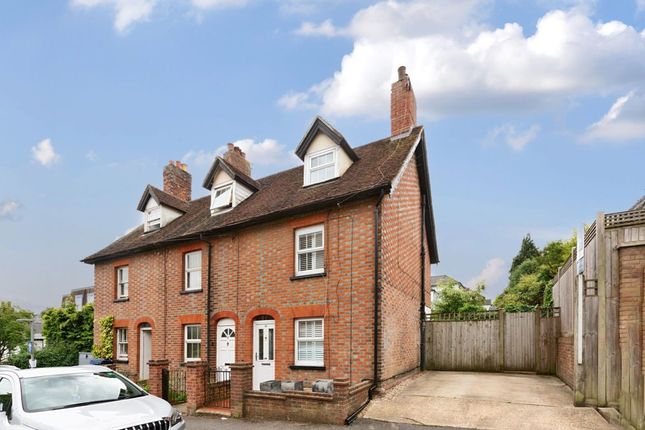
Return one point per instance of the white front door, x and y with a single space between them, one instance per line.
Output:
225 343
263 352
145 353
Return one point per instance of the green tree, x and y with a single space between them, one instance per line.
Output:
69 326
527 250
13 333
531 280
453 298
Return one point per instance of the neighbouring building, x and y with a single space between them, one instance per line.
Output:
435 286
317 272
79 296
601 349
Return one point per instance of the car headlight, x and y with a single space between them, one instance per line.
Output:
175 418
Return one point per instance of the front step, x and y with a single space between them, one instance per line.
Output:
213 411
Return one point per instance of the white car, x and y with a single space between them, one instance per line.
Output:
80 398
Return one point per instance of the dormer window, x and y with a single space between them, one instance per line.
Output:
153 218
326 153
321 166
222 197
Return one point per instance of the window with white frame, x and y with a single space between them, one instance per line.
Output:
153 218
222 197
310 342
122 282
192 342
121 344
193 270
320 166
310 250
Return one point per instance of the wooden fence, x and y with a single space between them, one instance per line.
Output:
493 341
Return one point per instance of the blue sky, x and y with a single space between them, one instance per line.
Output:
534 113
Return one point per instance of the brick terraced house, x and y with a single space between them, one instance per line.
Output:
317 272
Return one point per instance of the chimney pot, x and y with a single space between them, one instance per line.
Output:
402 73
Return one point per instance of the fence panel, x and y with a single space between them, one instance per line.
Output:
524 341
519 341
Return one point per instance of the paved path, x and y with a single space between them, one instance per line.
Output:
485 401
208 423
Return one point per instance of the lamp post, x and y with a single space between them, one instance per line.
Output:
32 361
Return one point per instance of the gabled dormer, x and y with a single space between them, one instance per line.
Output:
325 152
159 208
229 180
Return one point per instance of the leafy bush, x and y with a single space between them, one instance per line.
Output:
53 355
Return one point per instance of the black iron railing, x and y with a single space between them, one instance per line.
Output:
218 388
173 385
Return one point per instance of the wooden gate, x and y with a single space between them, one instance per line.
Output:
493 341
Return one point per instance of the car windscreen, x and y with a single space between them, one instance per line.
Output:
46 393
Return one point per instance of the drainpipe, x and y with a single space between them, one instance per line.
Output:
377 290
208 299
422 308
377 298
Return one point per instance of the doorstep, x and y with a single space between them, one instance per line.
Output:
209 410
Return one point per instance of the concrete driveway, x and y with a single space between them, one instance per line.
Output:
484 401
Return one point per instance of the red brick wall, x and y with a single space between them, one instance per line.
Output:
401 276
251 277
251 271
632 272
155 298
565 363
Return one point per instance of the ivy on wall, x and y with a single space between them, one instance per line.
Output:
104 347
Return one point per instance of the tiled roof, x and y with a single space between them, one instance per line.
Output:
278 195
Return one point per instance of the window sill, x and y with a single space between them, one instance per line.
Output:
124 299
300 367
191 291
121 361
313 275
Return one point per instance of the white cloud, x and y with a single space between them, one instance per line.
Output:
44 153
214 4
326 29
92 155
516 140
262 154
491 274
459 66
8 209
127 12
624 121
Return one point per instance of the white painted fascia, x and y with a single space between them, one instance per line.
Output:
399 175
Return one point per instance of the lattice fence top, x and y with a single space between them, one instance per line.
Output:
624 219
463 316
590 233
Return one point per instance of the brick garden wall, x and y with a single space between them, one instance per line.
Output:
305 406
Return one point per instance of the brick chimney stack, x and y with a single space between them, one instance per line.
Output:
403 104
177 181
236 158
